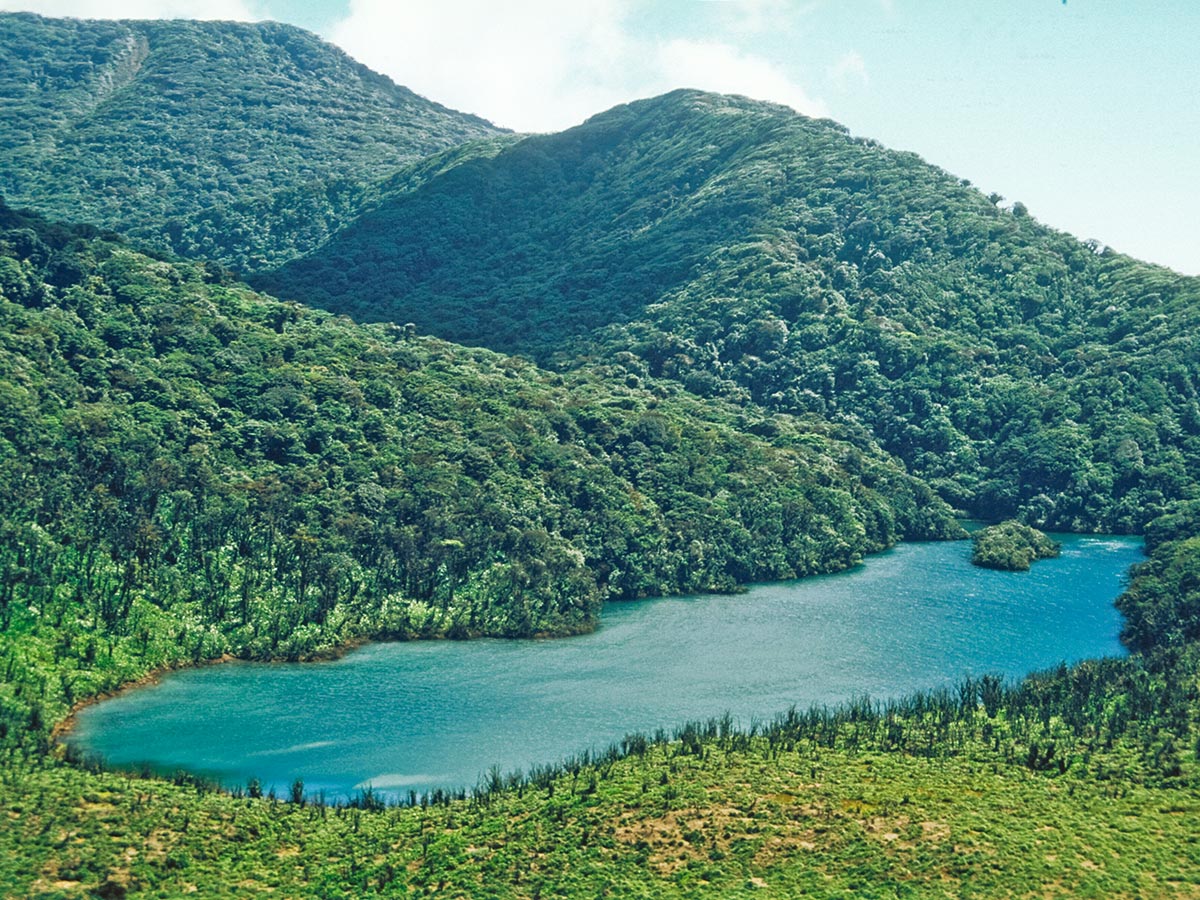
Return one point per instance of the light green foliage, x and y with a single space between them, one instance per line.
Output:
1012 546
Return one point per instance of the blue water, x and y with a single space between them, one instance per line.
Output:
415 716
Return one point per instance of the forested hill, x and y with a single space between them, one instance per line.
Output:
734 307
751 253
136 124
183 457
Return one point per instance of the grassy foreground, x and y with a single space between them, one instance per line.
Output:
738 821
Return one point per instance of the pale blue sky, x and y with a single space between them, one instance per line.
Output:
1087 111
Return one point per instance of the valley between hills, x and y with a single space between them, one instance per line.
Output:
292 358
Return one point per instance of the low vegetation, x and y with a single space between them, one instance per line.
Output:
1081 782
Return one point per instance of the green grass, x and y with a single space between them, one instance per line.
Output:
805 822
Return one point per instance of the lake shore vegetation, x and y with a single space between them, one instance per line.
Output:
717 342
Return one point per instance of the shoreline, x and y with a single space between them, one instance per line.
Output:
66 725
63 728
61 731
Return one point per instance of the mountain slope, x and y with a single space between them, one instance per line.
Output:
266 231
751 253
130 124
168 440
274 480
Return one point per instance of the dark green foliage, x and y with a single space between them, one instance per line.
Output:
1011 546
267 231
739 302
566 232
142 125
747 252
1162 605
189 469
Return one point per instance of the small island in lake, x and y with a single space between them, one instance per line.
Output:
1011 546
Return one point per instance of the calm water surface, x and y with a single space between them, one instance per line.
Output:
416 716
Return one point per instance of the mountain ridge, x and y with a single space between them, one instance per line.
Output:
128 123
751 253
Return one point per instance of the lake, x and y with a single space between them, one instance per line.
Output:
421 715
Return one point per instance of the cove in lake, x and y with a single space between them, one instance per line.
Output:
422 715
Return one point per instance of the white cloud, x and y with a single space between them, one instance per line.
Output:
715 66
543 65
236 10
534 65
851 67
760 16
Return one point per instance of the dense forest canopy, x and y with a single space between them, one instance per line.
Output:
712 341
275 481
753 254
141 125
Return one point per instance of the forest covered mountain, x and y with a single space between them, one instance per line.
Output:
139 125
274 481
710 341
752 254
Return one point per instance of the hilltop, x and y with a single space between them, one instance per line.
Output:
139 125
749 253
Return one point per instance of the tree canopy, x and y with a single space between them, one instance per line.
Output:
141 125
752 254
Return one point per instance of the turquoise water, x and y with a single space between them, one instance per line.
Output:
415 716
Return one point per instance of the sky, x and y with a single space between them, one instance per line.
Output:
1086 111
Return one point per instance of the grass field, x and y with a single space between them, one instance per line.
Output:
716 821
